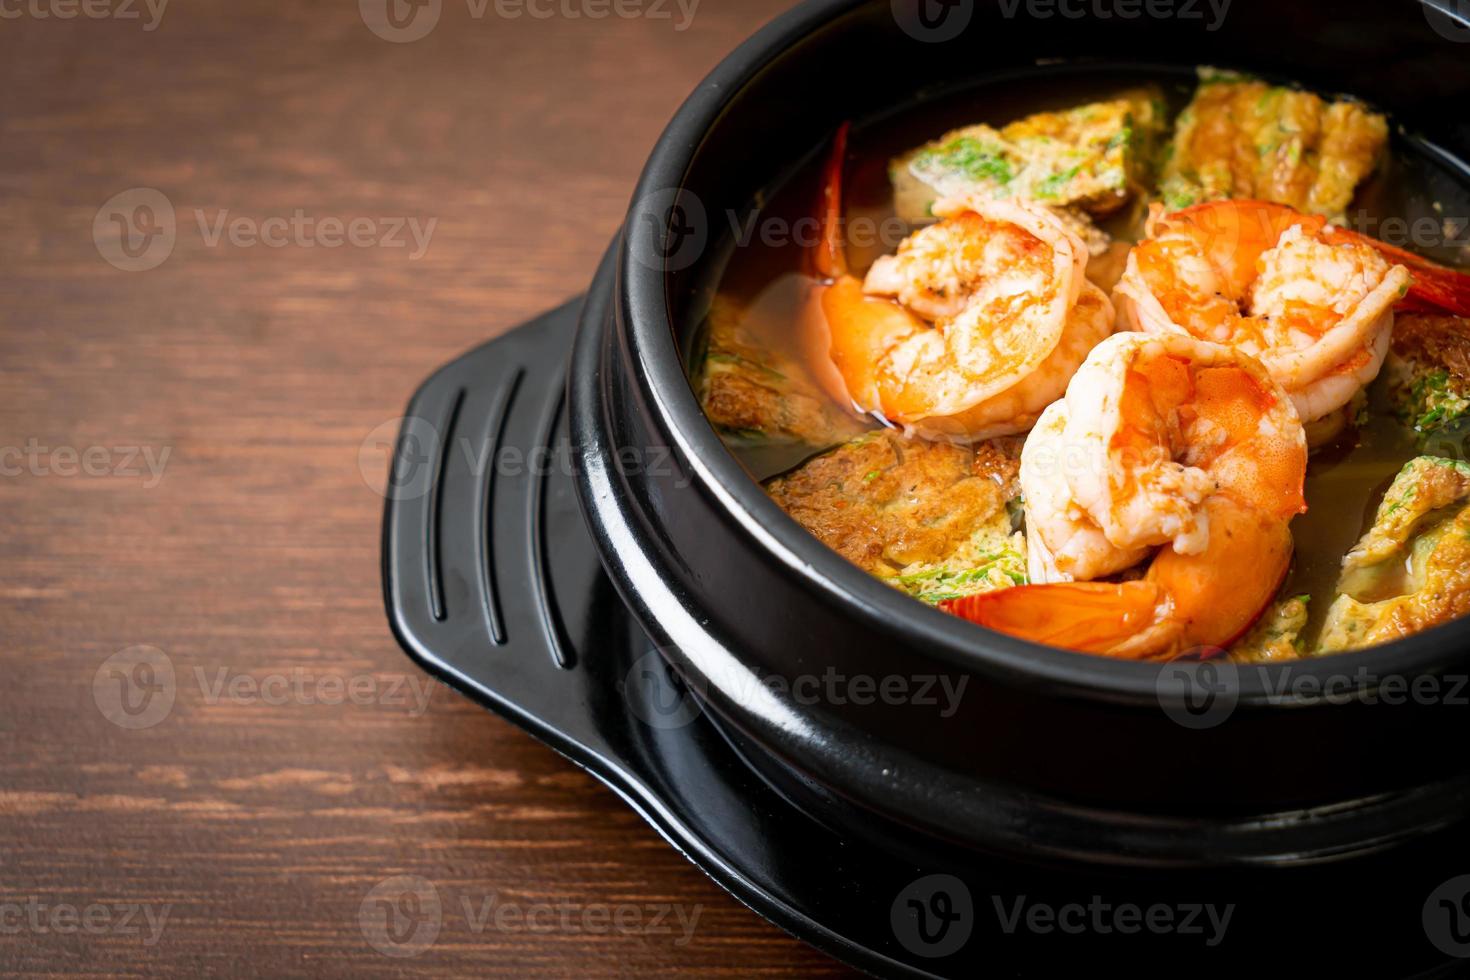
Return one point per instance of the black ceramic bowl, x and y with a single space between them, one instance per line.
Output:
1042 751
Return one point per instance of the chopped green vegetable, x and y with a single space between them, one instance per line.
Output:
992 559
969 156
1051 187
1277 635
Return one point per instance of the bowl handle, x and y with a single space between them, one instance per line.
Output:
490 576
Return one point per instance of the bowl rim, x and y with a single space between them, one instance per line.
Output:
659 374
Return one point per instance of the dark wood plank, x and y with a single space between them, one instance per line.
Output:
261 822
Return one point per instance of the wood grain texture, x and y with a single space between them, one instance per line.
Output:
256 816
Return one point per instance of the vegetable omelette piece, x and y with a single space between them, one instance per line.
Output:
1089 158
751 391
1240 137
1428 369
1276 635
930 518
1411 570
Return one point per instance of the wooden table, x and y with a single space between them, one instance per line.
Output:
240 827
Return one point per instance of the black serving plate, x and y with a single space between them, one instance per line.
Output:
493 583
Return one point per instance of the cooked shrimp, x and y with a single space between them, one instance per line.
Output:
1062 543
1314 304
1177 444
972 328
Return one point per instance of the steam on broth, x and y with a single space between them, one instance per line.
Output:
898 386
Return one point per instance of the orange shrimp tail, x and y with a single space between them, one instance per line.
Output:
1186 602
1436 288
1218 595
829 260
860 330
1090 617
829 355
1415 304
